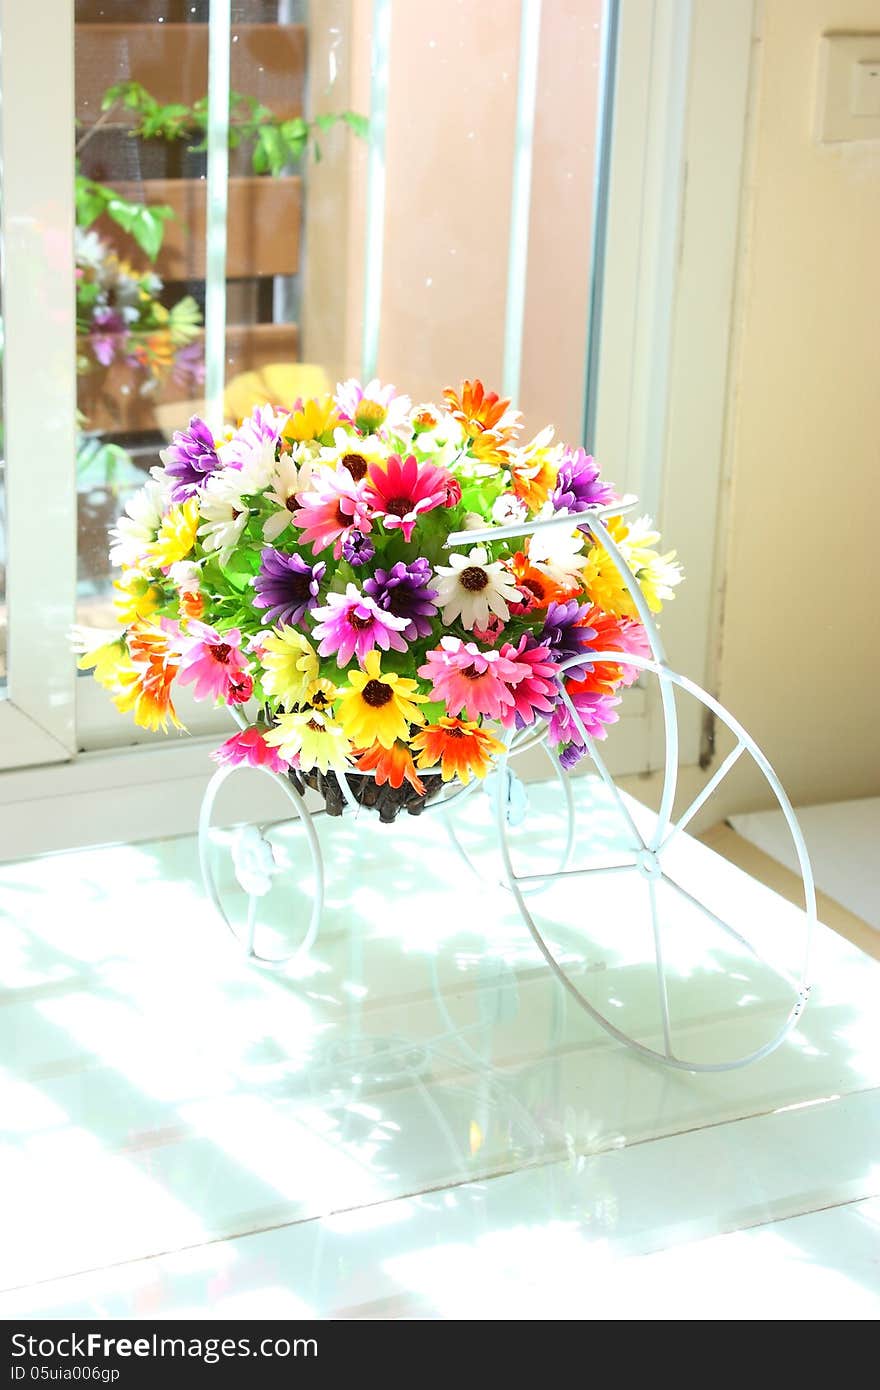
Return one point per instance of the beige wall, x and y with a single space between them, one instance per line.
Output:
799 660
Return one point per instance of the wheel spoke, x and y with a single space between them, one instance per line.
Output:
701 799
661 972
612 787
731 931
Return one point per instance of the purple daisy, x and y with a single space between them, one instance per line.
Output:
190 459
595 712
261 430
566 635
578 486
286 586
352 624
404 591
357 549
570 756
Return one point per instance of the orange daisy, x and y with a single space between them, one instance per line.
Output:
534 470
543 589
492 447
391 765
146 691
478 410
191 603
459 747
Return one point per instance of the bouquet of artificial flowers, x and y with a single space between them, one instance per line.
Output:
119 318
298 570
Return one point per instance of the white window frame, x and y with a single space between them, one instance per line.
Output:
37 715
681 105
667 293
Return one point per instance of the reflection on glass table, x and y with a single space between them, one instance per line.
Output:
422 1048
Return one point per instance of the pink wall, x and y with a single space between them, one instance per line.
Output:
449 149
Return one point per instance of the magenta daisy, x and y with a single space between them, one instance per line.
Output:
595 712
331 509
467 679
536 692
249 749
353 624
400 491
214 664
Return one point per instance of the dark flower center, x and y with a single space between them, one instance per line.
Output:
318 728
356 465
344 518
358 623
320 700
474 579
298 586
454 733
220 652
399 506
472 673
291 504
536 587
377 693
396 601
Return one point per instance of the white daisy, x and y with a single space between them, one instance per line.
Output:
137 530
437 433
252 467
184 575
508 509
472 586
557 551
288 479
224 516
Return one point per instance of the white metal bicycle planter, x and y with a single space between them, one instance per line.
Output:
254 864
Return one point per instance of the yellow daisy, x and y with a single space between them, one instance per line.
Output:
322 695
379 708
177 534
656 574
310 740
315 419
136 596
290 664
109 663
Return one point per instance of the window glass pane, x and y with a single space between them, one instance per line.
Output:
457 167
141 88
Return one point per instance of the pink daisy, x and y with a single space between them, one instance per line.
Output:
493 628
467 679
374 408
249 749
331 510
214 663
400 492
352 624
537 691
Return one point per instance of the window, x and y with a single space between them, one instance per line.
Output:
518 209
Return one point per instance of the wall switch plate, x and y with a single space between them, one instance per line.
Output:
848 93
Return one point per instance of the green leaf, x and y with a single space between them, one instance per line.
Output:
148 228
124 214
91 201
270 142
358 124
